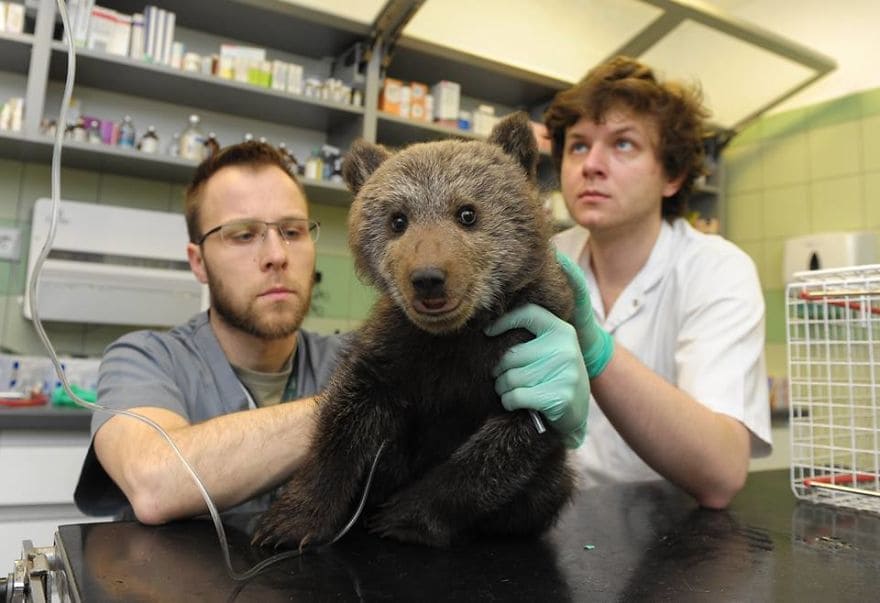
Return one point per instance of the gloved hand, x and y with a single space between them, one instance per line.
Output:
596 343
547 373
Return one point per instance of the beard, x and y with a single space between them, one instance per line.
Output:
275 324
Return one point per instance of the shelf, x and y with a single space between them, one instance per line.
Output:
99 157
395 131
45 418
706 189
479 78
267 23
15 52
163 83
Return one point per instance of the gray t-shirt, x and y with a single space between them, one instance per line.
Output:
185 371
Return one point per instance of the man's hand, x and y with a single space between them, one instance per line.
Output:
596 343
547 373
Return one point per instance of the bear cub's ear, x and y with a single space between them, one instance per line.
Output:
514 135
360 162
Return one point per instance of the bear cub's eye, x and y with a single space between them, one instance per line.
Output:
398 223
467 215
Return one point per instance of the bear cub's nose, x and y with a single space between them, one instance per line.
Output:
429 283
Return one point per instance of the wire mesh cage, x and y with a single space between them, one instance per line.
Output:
833 324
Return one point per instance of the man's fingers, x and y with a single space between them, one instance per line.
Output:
575 276
530 317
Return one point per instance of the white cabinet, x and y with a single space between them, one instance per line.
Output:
39 470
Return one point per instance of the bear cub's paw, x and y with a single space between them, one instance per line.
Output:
283 526
411 521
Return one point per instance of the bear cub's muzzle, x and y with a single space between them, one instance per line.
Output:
429 285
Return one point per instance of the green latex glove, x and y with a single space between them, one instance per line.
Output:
547 373
596 343
60 397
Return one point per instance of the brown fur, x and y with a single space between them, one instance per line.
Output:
453 235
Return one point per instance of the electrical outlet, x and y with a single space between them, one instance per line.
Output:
10 243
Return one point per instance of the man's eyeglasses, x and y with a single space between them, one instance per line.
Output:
248 232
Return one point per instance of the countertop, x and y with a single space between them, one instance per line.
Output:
645 541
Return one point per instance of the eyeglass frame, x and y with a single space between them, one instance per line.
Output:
312 225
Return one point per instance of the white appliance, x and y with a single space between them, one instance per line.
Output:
824 250
113 265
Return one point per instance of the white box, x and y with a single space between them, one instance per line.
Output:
109 31
446 100
14 17
484 120
294 78
825 250
136 42
168 40
279 75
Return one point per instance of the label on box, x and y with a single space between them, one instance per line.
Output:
390 98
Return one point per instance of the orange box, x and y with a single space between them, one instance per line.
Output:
391 96
418 101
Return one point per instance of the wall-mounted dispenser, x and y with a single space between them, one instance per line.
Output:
828 250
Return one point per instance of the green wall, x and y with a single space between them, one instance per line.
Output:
815 169
340 301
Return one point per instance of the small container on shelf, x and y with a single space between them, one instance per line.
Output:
314 166
127 133
77 131
174 146
149 142
93 131
192 140
109 132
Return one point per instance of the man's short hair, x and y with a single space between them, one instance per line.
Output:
252 154
626 83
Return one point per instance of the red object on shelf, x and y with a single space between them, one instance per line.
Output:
34 400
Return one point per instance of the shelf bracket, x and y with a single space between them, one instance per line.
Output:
388 27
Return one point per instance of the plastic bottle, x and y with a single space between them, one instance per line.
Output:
78 131
93 133
314 166
192 140
149 142
126 133
174 145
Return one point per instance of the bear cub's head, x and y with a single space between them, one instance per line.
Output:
449 230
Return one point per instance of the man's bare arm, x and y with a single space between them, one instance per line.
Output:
237 456
706 453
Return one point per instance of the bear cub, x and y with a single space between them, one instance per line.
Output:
452 234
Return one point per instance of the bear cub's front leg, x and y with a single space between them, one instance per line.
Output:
302 514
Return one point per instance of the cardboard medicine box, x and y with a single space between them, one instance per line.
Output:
446 100
392 96
418 109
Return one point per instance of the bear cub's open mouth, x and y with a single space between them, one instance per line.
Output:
434 305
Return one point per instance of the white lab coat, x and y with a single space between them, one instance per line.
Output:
694 314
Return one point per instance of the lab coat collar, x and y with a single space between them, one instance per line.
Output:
632 298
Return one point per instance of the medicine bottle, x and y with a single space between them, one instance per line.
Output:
93 134
314 166
149 142
126 133
174 145
77 131
192 141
